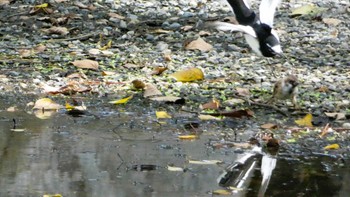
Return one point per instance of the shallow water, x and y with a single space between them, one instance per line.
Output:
127 154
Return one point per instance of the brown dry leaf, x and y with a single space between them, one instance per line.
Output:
199 44
269 126
57 30
159 70
243 91
324 130
306 121
323 89
213 104
108 73
151 90
94 52
331 21
39 48
4 2
337 116
86 63
138 84
25 52
188 75
115 15
46 104
234 114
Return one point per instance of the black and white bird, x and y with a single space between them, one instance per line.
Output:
258 31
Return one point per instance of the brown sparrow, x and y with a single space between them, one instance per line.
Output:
286 88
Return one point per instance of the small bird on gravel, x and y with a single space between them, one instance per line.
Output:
258 31
286 88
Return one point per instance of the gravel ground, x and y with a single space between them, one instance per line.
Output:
318 53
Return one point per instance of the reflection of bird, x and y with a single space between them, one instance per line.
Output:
257 31
286 88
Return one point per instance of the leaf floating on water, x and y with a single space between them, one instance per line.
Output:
205 162
188 137
188 75
86 63
306 121
199 44
175 169
121 101
162 114
223 192
332 147
46 104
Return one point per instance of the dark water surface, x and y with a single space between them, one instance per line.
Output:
127 154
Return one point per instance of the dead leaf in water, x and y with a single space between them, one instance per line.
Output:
121 101
86 63
188 75
46 104
199 44
306 121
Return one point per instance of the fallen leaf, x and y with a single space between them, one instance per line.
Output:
269 126
4 2
306 121
188 75
324 130
223 192
332 147
108 73
199 44
187 137
94 52
234 101
159 70
214 104
204 33
138 84
25 52
46 104
121 101
39 48
243 91
337 116
161 31
331 21
57 30
107 46
208 117
162 114
186 27
205 162
86 63
130 65
11 109
151 90
309 9
175 169
52 195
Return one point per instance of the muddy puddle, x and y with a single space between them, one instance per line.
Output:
128 154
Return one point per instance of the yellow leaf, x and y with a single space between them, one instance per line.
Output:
222 192
107 46
188 75
121 101
44 5
332 147
208 117
306 121
162 114
46 104
307 10
205 162
69 107
187 137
